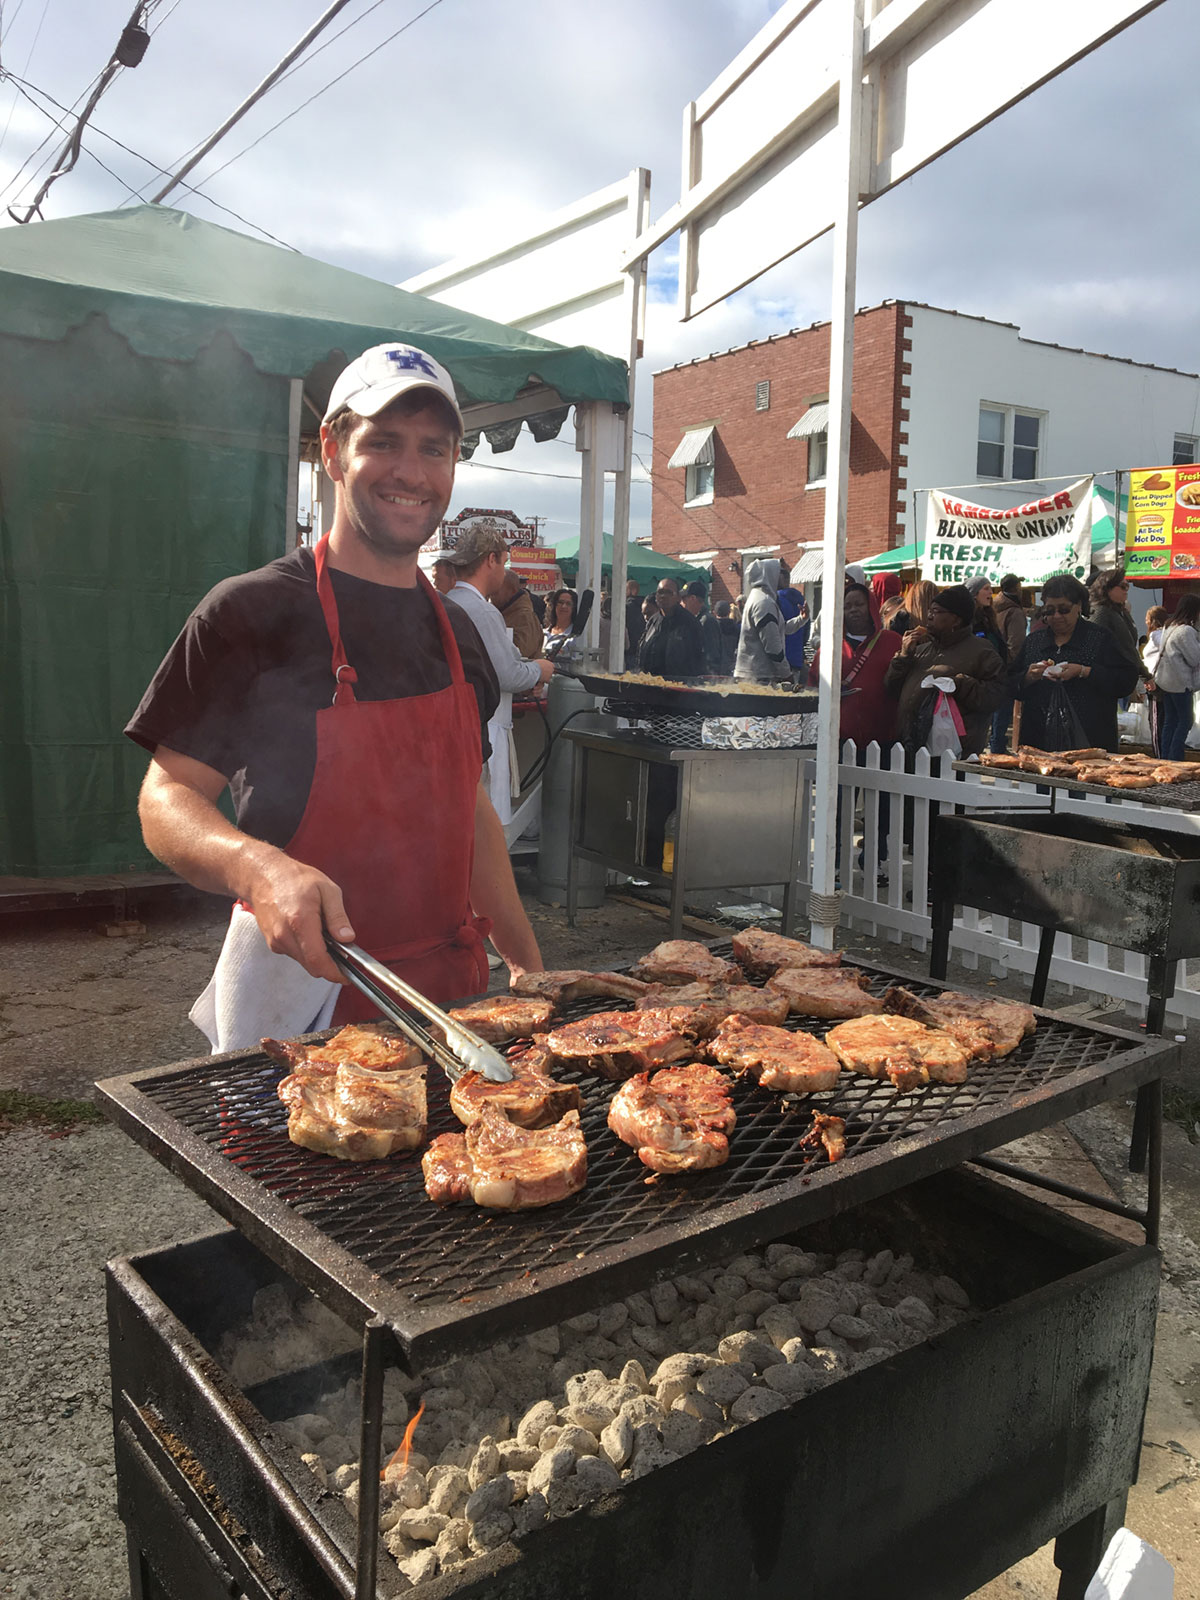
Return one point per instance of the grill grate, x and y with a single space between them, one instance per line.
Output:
457 1278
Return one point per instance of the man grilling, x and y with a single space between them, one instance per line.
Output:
344 706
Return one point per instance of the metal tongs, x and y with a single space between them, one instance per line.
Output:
462 1051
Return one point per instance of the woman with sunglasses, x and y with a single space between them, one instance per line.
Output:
1066 650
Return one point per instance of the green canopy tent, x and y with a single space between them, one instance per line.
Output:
646 565
154 371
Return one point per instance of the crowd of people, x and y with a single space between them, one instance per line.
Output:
1053 675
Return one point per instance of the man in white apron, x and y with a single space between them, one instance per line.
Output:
481 560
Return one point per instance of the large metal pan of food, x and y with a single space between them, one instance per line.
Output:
711 697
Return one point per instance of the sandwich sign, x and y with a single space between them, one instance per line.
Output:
1035 539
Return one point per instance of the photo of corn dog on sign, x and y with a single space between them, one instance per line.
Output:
1163 537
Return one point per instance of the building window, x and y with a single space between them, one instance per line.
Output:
818 458
1009 442
1185 450
762 395
700 484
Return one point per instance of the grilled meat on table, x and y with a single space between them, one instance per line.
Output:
616 1044
561 988
793 1063
685 961
824 991
906 1052
368 1045
503 1167
984 1027
761 953
502 1017
531 1098
679 1120
355 1113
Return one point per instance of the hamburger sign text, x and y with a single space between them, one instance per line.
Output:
1035 539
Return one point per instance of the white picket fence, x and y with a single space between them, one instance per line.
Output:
891 902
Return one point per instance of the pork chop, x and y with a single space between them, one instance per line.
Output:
984 1027
679 1120
503 1167
722 999
824 991
616 1044
827 1131
531 1098
368 1045
684 961
760 953
793 1063
561 988
354 1113
906 1052
502 1017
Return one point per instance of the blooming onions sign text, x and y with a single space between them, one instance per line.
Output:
1035 540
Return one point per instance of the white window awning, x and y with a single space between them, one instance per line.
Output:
808 567
814 420
696 448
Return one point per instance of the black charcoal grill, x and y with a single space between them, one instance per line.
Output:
429 1284
908 1478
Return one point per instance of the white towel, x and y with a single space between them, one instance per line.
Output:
255 993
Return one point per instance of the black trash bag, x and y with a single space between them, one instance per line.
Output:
1062 729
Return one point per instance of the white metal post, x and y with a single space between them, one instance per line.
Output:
590 441
634 301
292 501
823 899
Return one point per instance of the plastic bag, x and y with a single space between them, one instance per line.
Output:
945 728
1063 729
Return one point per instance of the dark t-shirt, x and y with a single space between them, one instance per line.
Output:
240 687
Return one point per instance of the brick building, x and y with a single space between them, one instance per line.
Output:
756 489
940 400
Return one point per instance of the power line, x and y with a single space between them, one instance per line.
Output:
28 59
267 83
305 104
130 48
95 128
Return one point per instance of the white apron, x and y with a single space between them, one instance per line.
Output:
256 994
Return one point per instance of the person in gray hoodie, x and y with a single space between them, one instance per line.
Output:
761 656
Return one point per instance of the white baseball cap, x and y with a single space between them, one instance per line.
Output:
385 372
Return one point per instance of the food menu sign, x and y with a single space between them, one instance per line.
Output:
1163 532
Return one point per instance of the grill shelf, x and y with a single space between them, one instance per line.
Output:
366 1238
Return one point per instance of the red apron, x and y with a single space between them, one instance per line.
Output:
391 819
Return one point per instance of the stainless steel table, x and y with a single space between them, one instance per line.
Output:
738 816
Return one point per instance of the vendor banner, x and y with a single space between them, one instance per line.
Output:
1163 532
1035 539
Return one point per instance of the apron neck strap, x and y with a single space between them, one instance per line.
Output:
344 674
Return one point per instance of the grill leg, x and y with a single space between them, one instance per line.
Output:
369 1458
1078 1551
1160 986
939 947
1041 972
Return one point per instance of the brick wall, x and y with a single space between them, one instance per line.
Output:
761 498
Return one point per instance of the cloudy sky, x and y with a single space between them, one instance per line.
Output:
1074 215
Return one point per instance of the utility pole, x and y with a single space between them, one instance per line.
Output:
271 78
131 47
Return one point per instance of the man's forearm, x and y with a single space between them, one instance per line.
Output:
189 834
494 892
